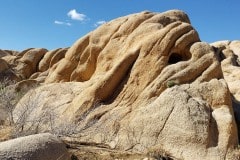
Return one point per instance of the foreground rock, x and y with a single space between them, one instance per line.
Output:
37 147
138 83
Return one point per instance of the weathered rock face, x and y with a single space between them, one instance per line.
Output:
38 147
3 65
3 53
140 82
229 55
33 61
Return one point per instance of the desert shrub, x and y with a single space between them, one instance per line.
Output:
23 125
159 155
171 83
8 98
29 118
73 157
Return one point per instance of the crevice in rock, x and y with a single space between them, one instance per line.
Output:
119 88
213 132
218 52
160 131
104 89
236 110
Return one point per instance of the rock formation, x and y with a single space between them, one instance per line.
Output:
31 63
37 147
229 55
138 83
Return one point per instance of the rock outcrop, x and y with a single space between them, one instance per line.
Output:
138 83
37 147
31 63
229 55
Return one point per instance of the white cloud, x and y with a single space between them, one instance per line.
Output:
74 15
99 23
62 23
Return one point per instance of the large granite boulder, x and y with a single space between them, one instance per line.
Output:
138 83
34 147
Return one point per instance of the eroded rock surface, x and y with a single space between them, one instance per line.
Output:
229 53
140 82
23 65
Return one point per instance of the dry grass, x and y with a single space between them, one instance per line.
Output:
5 133
93 153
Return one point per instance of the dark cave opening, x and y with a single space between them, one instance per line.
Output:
174 58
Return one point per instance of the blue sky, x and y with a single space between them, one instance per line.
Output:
59 23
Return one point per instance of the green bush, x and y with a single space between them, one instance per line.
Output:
171 84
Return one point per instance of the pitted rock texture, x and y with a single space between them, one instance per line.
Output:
37 147
140 82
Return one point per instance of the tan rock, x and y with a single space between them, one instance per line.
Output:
32 63
58 56
3 65
45 62
24 51
12 52
28 63
11 60
141 82
3 53
25 85
6 72
37 147
229 55
235 47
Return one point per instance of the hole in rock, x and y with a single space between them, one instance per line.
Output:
174 58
